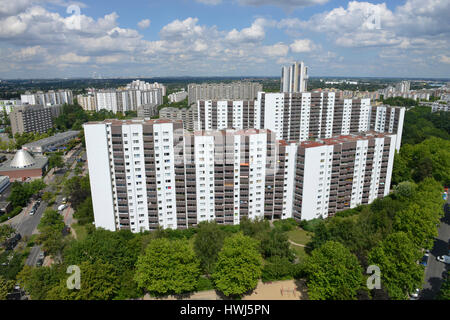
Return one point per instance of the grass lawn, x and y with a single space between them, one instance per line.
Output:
299 236
80 231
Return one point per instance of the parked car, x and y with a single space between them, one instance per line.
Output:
415 295
444 259
62 207
64 200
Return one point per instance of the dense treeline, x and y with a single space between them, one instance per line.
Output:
391 233
73 116
420 123
122 265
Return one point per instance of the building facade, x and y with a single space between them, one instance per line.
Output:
87 102
127 100
147 174
48 98
294 78
30 118
225 91
177 96
189 116
301 116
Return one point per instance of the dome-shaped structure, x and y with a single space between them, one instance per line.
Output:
22 159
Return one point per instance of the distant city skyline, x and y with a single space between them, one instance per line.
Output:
177 38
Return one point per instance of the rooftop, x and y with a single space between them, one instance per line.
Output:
23 160
51 140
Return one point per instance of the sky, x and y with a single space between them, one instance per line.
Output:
146 38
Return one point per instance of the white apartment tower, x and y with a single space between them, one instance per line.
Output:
147 174
294 78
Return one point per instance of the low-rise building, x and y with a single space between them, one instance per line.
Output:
50 143
24 166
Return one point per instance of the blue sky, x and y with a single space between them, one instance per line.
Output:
401 38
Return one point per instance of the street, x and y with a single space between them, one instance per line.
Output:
435 269
26 225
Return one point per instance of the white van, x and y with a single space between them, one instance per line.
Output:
62 207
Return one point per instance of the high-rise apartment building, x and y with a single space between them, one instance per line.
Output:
223 114
177 96
143 86
223 91
342 172
301 116
87 102
147 174
189 116
48 98
294 78
30 118
127 100
403 86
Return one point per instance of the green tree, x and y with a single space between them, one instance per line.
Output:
278 268
19 195
207 244
6 287
38 281
405 190
397 257
51 219
77 189
239 265
55 161
444 293
99 281
6 231
419 223
256 228
168 267
275 243
85 212
333 273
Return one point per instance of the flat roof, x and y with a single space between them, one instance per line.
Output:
133 121
52 139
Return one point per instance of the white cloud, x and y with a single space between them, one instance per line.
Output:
283 3
302 45
143 24
276 50
254 33
209 2
444 59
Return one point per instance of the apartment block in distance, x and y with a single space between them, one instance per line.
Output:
147 174
223 91
301 116
30 118
189 116
294 78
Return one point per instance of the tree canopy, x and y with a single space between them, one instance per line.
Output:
168 267
333 272
239 265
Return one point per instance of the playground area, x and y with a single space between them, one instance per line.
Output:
277 290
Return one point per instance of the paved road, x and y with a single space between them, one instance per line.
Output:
26 225
435 269
33 256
